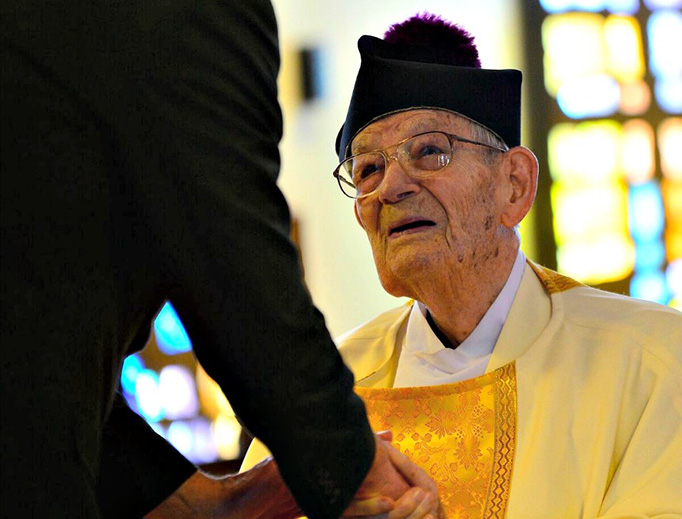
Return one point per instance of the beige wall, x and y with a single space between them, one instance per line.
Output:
338 263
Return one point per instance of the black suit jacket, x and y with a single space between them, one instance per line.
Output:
139 160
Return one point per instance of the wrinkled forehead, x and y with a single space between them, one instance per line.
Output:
394 127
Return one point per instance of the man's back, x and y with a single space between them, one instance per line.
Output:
139 159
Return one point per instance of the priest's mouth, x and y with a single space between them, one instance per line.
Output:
412 225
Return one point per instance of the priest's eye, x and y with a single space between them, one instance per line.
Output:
369 170
367 166
427 150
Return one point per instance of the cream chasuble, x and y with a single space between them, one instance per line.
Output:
578 416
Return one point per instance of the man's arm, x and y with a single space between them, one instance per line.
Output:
261 494
138 468
257 494
207 187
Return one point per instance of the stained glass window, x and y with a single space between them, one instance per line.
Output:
165 385
613 70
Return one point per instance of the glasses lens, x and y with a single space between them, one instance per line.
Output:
360 175
428 152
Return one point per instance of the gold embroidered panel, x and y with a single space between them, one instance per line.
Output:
553 281
462 434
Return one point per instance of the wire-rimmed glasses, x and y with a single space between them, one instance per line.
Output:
420 155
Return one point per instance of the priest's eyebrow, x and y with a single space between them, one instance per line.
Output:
362 144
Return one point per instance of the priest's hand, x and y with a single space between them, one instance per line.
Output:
418 500
422 500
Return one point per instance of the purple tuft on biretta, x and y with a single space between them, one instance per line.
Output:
430 30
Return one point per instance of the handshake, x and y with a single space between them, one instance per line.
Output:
394 488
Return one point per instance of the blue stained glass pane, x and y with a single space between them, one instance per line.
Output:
590 5
615 6
132 367
180 435
205 448
171 336
597 96
147 396
674 277
623 6
649 255
131 400
645 212
668 92
658 4
664 29
650 286
556 6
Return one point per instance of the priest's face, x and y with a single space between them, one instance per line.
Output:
448 221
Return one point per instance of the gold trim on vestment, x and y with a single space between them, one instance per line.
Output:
553 281
462 434
505 442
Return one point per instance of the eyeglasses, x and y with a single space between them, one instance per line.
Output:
420 156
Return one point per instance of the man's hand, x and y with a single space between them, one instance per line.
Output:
258 493
383 479
421 501
394 486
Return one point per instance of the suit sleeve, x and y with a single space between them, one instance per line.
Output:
131 452
221 230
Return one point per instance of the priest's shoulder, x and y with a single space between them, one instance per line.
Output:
645 320
375 336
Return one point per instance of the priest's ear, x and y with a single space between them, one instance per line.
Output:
519 180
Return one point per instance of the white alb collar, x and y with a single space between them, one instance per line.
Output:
425 361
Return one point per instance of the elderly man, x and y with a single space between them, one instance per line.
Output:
523 393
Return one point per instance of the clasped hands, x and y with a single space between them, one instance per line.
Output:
394 488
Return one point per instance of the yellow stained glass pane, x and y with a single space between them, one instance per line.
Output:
670 147
585 153
635 97
226 431
673 245
672 202
589 213
211 398
609 258
624 52
638 148
573 46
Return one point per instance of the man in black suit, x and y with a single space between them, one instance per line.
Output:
139 159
